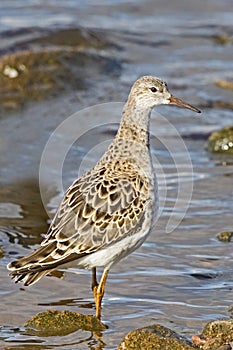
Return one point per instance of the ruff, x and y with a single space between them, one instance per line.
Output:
109 211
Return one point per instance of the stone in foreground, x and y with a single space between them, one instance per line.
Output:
155 337
216 335
55 323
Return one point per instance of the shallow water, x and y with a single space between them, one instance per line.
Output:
180 278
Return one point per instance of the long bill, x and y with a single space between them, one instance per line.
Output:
178 102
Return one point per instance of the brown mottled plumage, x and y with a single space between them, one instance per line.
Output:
109 211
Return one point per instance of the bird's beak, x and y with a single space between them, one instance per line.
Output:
176 101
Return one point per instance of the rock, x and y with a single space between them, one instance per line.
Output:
206 343
155 337
57 62
53 322
28 75
221 141
223 39
221 328
225 236
224 84
216 335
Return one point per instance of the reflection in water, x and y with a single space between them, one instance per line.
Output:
27 228
34 340
92 342
71 302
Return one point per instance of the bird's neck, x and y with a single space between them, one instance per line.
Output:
135 122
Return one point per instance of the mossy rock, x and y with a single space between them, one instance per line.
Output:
221 328
221 141
225 84
55 323
36 75
155 337
223 39
215 335
225 236
27 75
55 62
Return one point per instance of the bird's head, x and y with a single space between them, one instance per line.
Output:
150 91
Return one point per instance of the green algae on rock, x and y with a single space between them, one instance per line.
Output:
215 335
220 328
27 75
221 141
225 236
154 337
57 61
35 75
223 39
55 323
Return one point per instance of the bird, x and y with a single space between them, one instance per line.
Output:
108 212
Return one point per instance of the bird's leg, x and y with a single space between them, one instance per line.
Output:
94 283
99 293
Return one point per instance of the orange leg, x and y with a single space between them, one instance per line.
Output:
98 291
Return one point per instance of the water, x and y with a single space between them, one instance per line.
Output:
181 279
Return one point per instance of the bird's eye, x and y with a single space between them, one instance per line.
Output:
153 89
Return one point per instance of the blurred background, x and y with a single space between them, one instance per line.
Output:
58 57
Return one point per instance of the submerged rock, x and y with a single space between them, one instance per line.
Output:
225 236
154 337
221 141
216 335
54 63
55 323
30 75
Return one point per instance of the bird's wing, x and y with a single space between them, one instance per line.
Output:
98 209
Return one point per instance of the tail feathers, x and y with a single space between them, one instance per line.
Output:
29 278
33 267
42 254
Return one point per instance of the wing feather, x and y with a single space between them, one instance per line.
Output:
99 209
